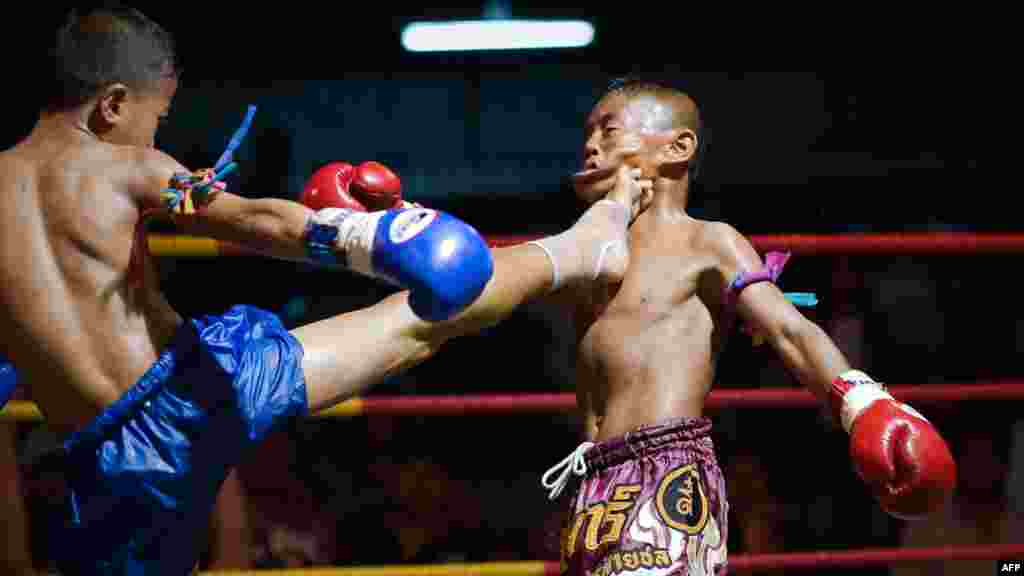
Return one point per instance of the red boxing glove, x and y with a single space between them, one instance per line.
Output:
329 186
377 187
369 187
895 450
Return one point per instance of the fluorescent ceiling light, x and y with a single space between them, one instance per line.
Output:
496 35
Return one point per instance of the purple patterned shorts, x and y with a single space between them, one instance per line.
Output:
653 502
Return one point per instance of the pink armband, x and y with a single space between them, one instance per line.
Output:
774 263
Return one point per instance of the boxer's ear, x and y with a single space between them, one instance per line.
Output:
676 154
111 107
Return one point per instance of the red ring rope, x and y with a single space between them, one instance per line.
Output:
718 399
942 243
788 561
873 557
451 405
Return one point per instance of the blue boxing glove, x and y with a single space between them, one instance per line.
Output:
443 262
8 381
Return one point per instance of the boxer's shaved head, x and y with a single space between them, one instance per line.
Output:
668 108
101 47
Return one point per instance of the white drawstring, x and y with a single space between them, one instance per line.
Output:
574 462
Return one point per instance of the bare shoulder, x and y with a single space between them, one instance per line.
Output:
733 251
12 161
147 171
718 234
8 154
8 169
16 169
150 161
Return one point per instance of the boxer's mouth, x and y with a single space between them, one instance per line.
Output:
591 167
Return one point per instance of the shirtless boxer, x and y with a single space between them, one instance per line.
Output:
156 408
652 498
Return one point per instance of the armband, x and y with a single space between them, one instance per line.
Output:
186 193
774 264
189 193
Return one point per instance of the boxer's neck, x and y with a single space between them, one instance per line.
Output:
670 198
70 123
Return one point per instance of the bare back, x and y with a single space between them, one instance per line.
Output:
77 333
647 353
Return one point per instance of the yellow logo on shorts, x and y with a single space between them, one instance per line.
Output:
681 500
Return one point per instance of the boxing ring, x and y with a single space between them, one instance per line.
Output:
743 398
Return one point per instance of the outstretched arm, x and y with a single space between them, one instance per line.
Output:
895 449
443 261
271 226
803 346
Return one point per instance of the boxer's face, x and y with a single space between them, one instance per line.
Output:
622 130
131 117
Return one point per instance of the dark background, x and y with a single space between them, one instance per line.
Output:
891 127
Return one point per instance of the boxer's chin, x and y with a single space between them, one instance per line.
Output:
594 191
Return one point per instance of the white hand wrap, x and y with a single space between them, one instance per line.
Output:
350 232
863 393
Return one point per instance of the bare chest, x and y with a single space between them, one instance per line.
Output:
660 312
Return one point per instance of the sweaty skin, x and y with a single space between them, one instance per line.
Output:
647 353
648 346
68 216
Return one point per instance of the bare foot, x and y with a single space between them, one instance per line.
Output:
597 246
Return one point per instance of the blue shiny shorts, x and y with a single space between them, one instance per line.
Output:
144 475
